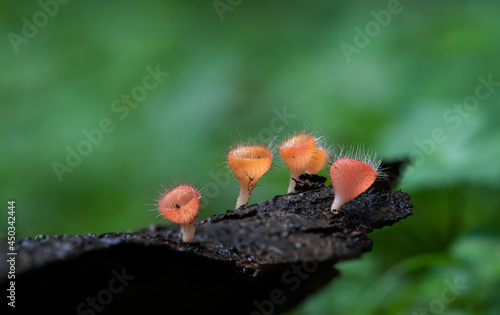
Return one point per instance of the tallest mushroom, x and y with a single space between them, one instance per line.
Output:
297 153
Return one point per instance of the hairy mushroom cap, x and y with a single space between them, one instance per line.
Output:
318 160
297 152
351 175
248 164
180 205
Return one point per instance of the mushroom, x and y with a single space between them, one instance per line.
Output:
180 205
351 175
248 164
318 160
297 152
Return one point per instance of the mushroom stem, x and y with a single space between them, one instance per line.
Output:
243 197
293 176
337 203
188 232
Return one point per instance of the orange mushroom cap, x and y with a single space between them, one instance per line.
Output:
318 161
297 151
249 163
180 205
350 178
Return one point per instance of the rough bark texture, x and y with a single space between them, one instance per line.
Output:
265 257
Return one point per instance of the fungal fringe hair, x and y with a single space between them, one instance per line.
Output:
237 141
163 188
360 153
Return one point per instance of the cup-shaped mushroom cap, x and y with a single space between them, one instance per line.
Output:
350 178
249 163
180 205
297 151
318 161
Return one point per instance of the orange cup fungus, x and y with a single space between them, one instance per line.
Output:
180 205
297 152
318 160
351 175
248 164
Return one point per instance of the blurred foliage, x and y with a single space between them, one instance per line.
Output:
227 78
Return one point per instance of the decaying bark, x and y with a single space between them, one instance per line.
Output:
262 257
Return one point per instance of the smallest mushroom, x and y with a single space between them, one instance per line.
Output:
180 205
248 164
351 174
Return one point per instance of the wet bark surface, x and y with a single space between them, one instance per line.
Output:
258 259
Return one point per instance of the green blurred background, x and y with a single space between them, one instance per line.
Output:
243 69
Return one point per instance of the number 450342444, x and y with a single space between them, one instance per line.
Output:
11 222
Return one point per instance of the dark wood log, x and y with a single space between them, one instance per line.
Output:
258 259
